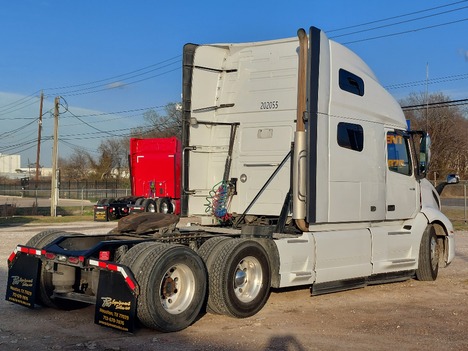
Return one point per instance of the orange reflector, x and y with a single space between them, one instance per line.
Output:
104 255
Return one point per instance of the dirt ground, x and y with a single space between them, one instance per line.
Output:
411 315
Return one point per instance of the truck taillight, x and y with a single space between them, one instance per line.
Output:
49 255
73 260
104 255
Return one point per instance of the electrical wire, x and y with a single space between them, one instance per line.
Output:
398 23
120 75
395 17
440 104
405 32
21 128
429 81
83 92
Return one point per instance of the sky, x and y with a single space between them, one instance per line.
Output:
112 60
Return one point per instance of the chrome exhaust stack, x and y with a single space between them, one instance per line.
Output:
299 165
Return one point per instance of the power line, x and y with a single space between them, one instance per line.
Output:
400 22
429 81
89 125
21 128
395 17
84 92
440 104
406 32
121 75
21 103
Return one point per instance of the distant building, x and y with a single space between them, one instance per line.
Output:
9 163
10 167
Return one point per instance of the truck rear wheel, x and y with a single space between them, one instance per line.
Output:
207 251
46 288
134 257
172 288
149 205
208 246
239 278
428 266
165 205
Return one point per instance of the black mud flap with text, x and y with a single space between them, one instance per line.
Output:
101 214
23 278
115 302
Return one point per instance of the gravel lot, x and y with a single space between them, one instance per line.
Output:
411 315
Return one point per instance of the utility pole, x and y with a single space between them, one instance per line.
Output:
54 185
39 130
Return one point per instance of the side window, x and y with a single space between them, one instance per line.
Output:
351 83
398 154
350 136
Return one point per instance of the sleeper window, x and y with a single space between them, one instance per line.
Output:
350 136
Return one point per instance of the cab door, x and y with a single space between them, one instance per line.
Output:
402 193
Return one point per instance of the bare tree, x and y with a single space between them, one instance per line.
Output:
112 159
76 166
448 128
161 125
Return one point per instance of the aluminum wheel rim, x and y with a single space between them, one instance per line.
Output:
248 279
177 289
164 208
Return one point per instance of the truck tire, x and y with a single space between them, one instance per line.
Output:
208 246
207 251
135 255
239 278
139 201
102 202
172 288
165 205
46 288
428 266
149 205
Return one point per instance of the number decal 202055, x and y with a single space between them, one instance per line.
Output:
269 105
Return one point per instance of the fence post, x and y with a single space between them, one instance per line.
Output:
464 195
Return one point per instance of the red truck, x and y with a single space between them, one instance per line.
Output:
155 168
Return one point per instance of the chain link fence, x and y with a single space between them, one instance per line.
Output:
87 190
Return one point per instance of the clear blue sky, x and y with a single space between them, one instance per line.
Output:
114 56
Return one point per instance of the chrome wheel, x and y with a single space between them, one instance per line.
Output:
177 289
248 279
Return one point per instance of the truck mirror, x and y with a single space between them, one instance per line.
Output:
425 154
453 179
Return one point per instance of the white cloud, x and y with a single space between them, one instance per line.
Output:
116 85
464 54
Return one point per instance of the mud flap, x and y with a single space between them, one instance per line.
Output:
23 278
115 302
101 214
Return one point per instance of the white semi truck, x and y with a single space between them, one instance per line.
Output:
301 171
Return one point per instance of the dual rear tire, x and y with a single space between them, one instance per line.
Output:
227 276
172 280
239 276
